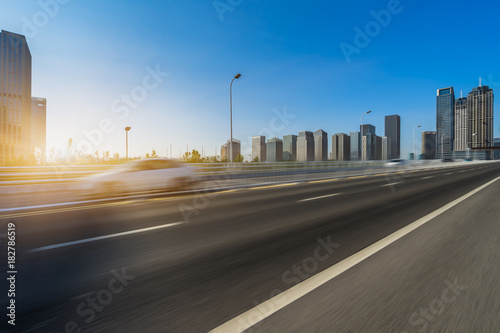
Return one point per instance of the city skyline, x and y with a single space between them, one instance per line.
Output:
189 93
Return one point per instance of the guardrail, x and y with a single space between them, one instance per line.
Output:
205 171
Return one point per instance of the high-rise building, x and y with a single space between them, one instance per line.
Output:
39 127
445 121
393 132
429 145
225 151
480 110
274 150
368 152
378 148
305 146
341 147
320 145
355 146
461 125
368 147
259 148
290 147
15 97
386 148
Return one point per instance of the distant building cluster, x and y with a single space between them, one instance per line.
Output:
22 118
313 146
461 124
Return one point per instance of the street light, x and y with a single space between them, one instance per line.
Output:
468 144
126 140
414 152
361 138
237 76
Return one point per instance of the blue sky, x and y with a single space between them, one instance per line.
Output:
88 54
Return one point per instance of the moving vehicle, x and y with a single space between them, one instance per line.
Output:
155 174
395 162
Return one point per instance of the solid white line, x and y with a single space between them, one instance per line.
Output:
427 177
391 184
449 173
93 239
269 307
321 197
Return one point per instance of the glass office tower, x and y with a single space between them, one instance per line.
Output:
15 97
445 122
290 147
480 109
393 132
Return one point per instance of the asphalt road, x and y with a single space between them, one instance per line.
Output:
195 262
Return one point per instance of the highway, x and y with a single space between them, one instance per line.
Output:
413 251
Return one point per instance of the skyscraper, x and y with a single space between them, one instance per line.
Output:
225 151
445 121
386 148
259 148
480 109
39 127
341 147
461 125
368 146
429 145
355 146
305 146
290 147
15 97
320 145
393 132
274 150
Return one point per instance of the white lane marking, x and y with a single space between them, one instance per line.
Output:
263 310
93 239
463 170
391 184
321 197
449 173
427 177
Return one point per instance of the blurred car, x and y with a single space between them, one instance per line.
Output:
468 159
446 160
395 162
141 176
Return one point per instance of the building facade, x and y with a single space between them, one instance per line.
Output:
305 146
461 125
355 146
15 97
393 132
429 145
445 121
259 148
368 146
290 147
39 128
225 151
274 150
320 145
480 109
341 147
386 148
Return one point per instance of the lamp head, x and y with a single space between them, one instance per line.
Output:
237 76
128 128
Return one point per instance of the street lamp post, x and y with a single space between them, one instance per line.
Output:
237 76
126 139
361 138
468 145
414 151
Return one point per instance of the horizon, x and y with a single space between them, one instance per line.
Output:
292 79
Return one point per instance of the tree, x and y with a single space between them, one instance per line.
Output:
239 158
256 159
